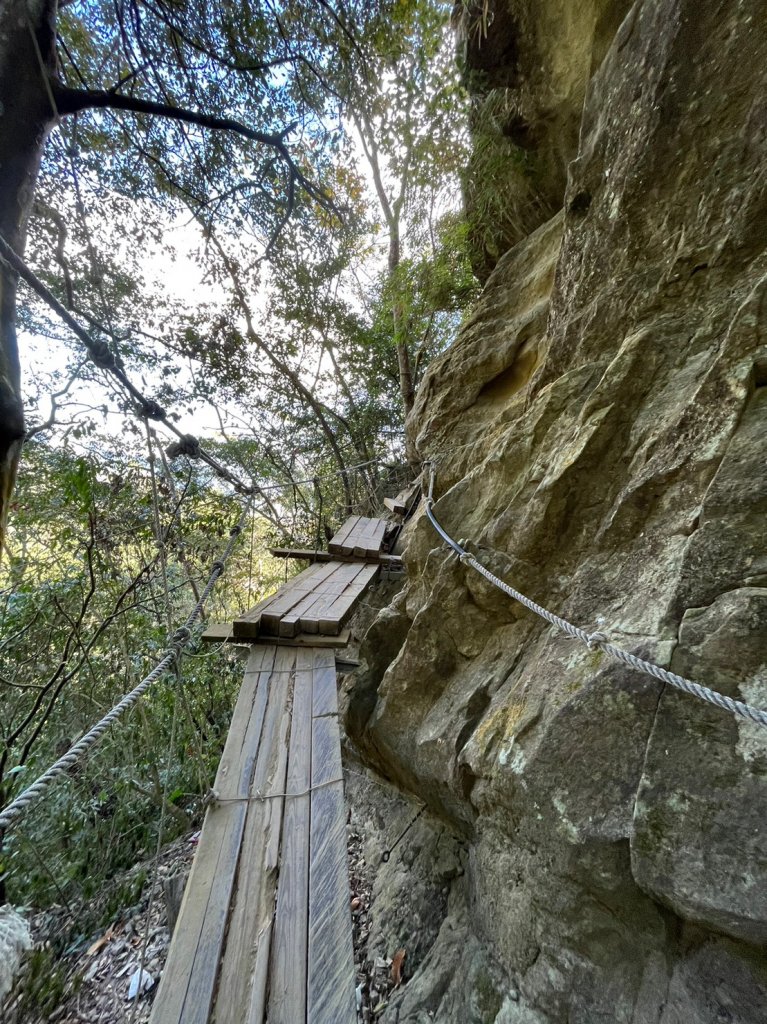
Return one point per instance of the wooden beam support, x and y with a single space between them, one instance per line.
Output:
307 555
396 506
221 632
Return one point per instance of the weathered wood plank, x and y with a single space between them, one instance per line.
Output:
288 973
408 494
243 972
308 555
395 505
292 593
249 624
325 694
235 769
218 849
333 585
344 588
336 614
283 614
338 541
331 979
352 541
375 537
188 981
220 632
363 539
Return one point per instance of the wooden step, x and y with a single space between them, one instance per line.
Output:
359 536
223 632
319 600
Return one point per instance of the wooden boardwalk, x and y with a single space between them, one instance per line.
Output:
264 933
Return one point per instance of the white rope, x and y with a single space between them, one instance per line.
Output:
178 643
596 641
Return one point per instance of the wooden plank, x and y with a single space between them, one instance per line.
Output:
337 613
233 782
352 541
308 555
382 527
331 979
288 973
252 617
237 764
333 585
315 640
338 540
249 624
363 539
292 592
314 612
305 616
241 991
294 623
327 579
219 632
408 493
188 981
375 537
184 995
324 693
272 616
395 505
358 541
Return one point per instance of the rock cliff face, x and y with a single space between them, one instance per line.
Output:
595 849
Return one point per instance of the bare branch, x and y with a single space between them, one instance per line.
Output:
47 424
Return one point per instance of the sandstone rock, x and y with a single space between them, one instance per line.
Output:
698 844
599 427
15 940
527 65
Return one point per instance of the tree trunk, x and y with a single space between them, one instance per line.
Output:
27 59
406 383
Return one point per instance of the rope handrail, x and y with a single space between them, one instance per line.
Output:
598 640
178 643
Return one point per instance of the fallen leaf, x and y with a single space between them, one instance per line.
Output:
397 962
98 944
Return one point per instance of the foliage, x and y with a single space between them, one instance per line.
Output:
72 648
504 182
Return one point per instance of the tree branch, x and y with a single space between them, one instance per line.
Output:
70 101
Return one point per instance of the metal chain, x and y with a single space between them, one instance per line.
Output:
178 643
596 641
